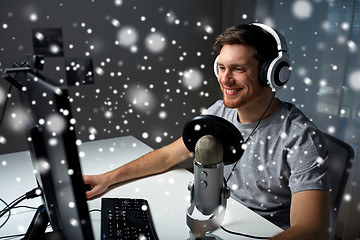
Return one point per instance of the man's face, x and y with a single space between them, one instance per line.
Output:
238 75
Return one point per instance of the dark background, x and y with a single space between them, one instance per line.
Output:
140 93
151 94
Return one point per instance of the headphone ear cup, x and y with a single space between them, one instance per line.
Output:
279 70
275 73
263 71
282 73
216 67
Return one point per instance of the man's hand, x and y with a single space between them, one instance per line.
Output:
98 184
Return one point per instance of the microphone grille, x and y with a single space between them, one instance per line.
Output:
208 150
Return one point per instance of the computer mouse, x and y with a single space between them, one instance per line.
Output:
87 187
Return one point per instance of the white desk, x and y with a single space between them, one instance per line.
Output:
167 193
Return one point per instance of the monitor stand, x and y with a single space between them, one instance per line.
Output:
38 226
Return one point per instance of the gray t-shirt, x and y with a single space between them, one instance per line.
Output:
286 154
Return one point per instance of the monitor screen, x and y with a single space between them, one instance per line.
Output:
54 153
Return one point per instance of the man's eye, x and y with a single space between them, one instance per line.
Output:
239 69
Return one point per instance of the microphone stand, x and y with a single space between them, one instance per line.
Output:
199 228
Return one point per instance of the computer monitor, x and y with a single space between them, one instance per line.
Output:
53 150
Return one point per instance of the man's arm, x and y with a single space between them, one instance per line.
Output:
309 216
153 162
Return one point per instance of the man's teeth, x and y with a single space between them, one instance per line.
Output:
231 90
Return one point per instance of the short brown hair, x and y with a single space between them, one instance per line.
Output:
251 35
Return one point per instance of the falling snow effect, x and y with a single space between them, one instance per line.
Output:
141 69
302 9
153 68
127 36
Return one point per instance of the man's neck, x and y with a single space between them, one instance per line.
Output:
253 113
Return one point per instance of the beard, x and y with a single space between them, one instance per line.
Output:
241 99
233 103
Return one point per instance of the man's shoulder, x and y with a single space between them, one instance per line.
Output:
218 109
219 104
298 118
302 130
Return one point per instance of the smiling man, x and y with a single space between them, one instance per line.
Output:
282 174
239 81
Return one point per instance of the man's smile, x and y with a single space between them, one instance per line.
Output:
231 91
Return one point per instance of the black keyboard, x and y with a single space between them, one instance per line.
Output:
126 218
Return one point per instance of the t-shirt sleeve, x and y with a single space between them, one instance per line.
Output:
307 158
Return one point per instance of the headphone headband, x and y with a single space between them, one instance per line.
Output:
280 40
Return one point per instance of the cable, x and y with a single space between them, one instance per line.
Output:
226 180
261 118
12 236
252 132
12 204
8 217
242 234
36 192
29 207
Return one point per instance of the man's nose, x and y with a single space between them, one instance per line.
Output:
226 77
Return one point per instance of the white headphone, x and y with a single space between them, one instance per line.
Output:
274 73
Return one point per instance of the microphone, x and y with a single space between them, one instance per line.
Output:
208 191
215 142
208 174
